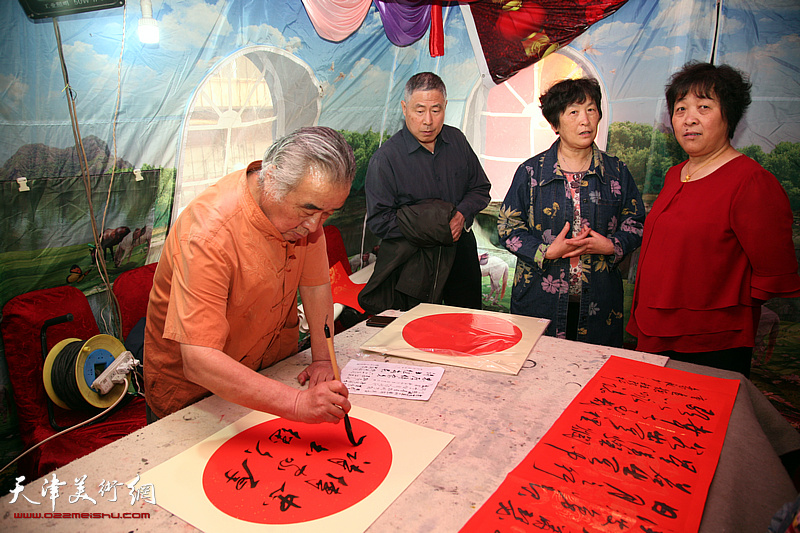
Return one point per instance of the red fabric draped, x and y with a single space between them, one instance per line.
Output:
517 33
436 43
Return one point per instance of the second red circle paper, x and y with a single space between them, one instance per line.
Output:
461 334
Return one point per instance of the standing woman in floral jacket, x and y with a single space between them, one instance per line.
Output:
571 215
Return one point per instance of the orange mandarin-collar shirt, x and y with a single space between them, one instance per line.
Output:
226 280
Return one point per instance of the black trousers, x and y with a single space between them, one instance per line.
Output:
573 313
150 415
736 359
463 285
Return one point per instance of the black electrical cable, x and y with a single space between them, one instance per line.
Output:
64 376
76 426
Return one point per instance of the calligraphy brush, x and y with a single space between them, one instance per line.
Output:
347 426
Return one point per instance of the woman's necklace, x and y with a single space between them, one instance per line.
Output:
585 163
688 177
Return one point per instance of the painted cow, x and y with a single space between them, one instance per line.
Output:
132 240
109 239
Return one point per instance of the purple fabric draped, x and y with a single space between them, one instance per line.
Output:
335 20
404 21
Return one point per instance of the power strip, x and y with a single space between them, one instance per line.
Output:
115 372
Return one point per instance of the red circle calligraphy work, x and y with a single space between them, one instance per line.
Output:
283 472
462 334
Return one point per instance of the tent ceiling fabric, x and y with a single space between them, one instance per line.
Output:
404 21
513 33
335 20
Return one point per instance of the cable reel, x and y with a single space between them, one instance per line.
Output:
78 375
73 365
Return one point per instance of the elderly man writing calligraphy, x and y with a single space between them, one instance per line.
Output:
224 297
424 187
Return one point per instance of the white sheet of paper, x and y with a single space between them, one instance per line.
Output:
376 378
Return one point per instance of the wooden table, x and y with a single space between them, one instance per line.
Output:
496 420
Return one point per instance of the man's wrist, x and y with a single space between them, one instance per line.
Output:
295 414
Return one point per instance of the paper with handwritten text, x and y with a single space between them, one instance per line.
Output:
264 473
636 450
376 378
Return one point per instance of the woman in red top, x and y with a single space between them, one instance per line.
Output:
718 240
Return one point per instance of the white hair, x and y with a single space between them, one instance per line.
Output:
311 150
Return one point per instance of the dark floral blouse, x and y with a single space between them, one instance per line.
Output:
534 211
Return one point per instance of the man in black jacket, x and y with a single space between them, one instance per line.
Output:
428 160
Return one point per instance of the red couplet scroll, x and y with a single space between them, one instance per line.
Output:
635 451
282 472
461 334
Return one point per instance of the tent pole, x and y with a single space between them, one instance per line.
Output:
713 58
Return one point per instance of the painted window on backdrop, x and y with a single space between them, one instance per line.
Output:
505 125
248 100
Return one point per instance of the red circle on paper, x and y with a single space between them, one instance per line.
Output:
462 334
295 472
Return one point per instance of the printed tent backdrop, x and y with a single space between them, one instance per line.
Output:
46 241
226 75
